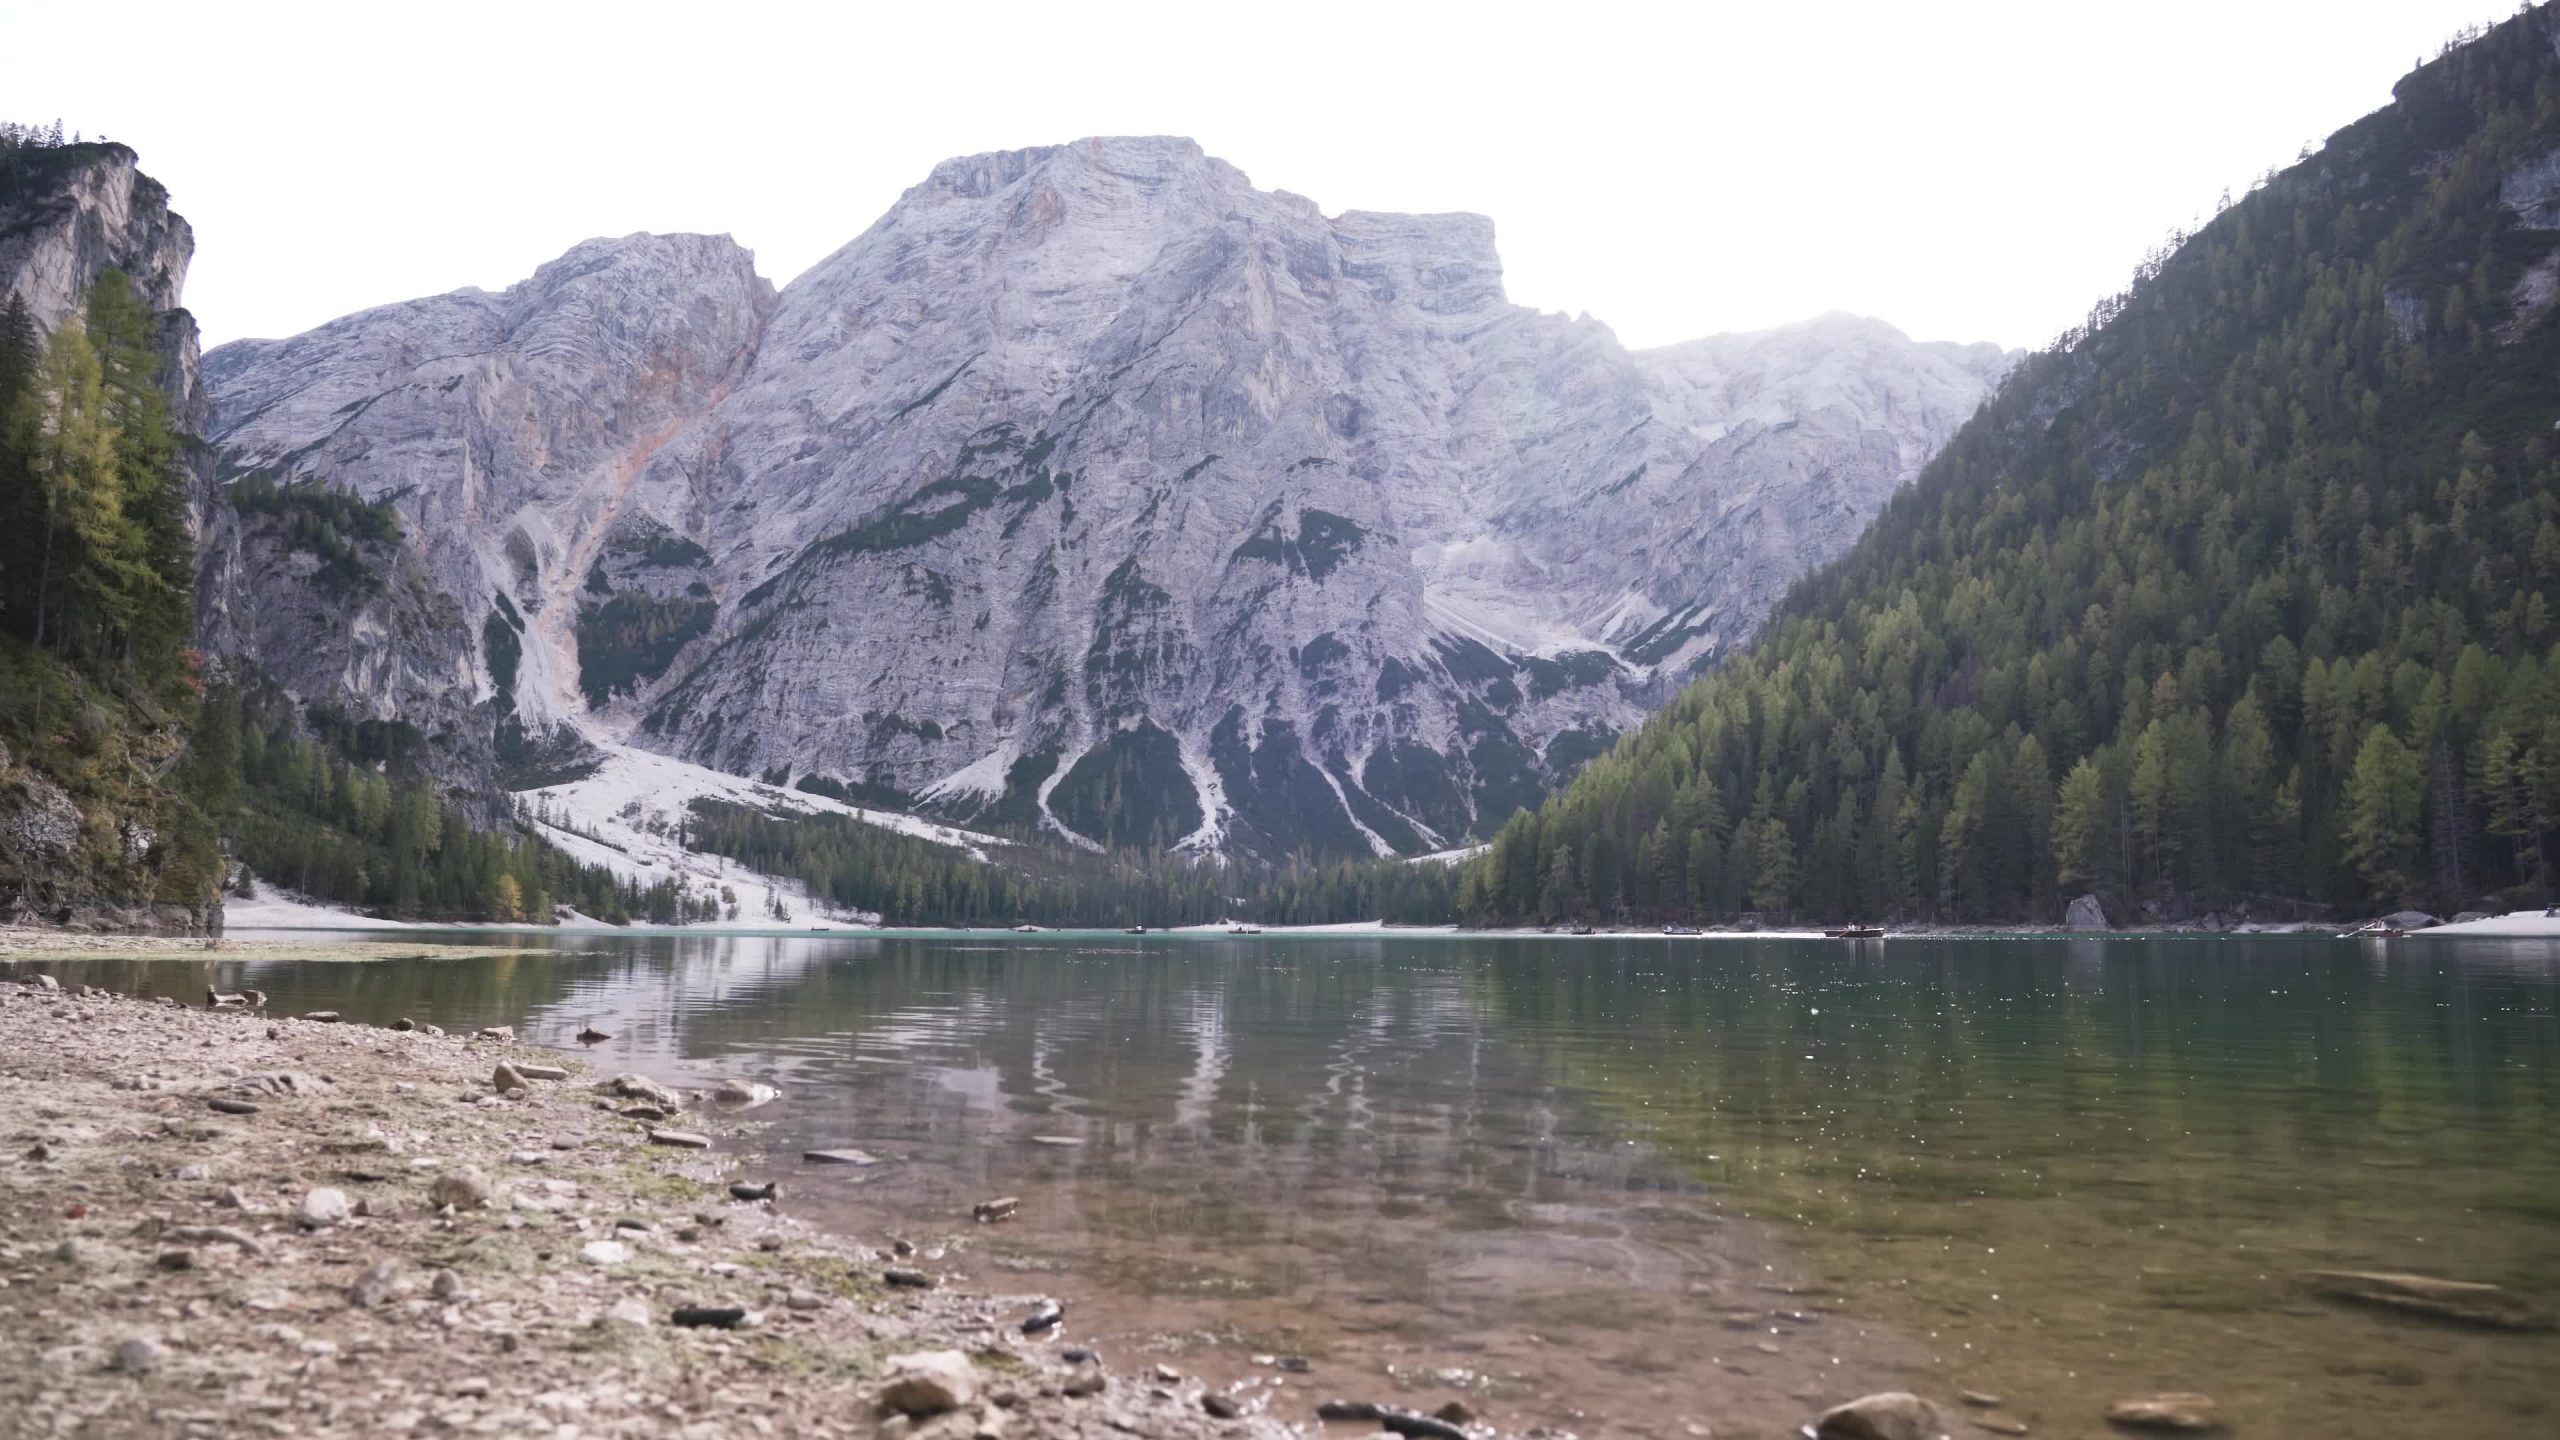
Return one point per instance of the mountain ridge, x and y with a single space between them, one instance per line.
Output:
1120 472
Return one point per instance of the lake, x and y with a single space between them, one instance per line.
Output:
1641 1186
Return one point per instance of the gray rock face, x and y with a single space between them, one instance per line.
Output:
1091 489
82 210
2084 913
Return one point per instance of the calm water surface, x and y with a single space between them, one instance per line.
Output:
1639 1186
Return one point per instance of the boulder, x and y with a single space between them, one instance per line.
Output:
928 1382
2084 913
2411 920
2461 1302
1891 1415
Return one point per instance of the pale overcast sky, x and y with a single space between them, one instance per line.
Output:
1965 170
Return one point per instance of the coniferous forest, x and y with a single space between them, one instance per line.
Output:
97 686
910 881
2239 595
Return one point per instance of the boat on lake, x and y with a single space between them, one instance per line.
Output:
1855 932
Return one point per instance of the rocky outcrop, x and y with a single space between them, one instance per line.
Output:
2084 913
70 213
1091 489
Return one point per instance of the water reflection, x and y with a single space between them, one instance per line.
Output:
1620 1184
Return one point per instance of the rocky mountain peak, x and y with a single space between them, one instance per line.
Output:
1091 490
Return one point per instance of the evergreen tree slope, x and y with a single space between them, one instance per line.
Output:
2240 595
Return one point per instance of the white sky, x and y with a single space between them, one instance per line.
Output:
1966 169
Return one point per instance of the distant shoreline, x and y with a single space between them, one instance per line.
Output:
365 939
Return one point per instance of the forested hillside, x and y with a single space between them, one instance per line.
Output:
2239 595
96 683
908 881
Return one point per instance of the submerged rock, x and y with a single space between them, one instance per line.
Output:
743 1095
2180 1411
1890 1415
2462 1302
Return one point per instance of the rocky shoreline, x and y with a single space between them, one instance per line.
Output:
222 1222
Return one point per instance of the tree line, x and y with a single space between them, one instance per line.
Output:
2241 596
97 683
911 881
327 808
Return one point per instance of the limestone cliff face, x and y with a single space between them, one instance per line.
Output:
508 434
1091 488
70 213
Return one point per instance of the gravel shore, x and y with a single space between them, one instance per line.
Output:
217 1222
23 943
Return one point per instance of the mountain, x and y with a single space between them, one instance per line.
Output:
2238 601
99 404
1091 490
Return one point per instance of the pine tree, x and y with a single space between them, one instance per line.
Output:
2385 798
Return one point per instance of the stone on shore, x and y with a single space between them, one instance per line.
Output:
379 1282
928 1383
323 1208
641 1087
463 1189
